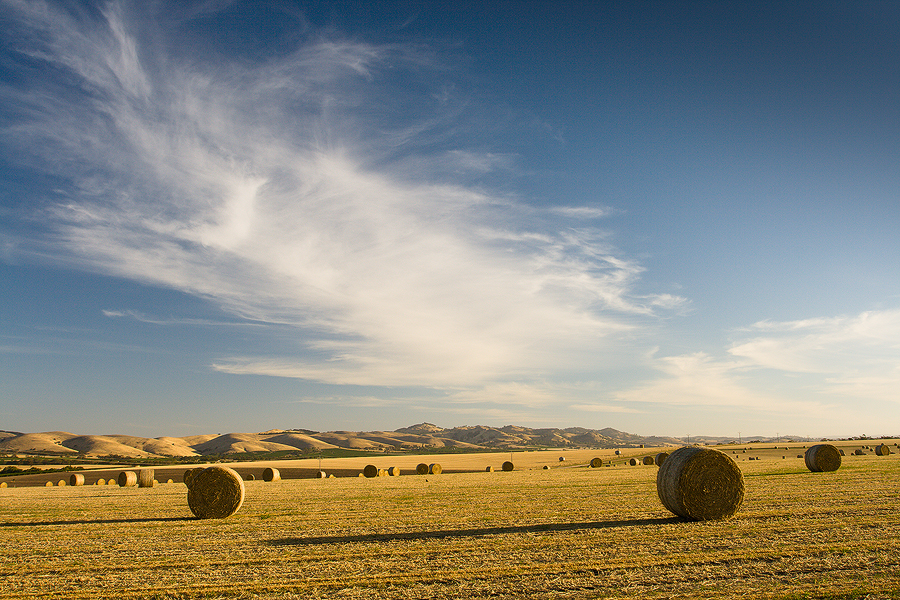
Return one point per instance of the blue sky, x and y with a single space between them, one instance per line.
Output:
667 218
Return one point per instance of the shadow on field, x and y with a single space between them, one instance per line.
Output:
95 521
454 533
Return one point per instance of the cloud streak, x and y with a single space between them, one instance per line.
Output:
283 190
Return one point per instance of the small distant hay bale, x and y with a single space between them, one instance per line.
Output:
841 450
618 452
360 475
633 462
421 469
127 479
435 469
700 484
508 466
393 471
76 479
321 475
271 474
661 458
251 477
882 450
170 480
596 463
100 481
48 484
370 471
3 484
642 445
145 478
61 483
647 460
859 452
545 467
562 459
215 493
799 456
489 469
822 457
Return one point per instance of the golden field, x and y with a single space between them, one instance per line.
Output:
568 531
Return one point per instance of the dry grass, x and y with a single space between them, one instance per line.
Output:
569 532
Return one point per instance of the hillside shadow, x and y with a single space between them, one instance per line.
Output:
95 521
474 532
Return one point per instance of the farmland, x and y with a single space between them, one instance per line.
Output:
567 531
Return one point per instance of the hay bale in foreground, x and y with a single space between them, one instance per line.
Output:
596 463
700 484
422 469
508 466
647 460
661 458
822 457
271 474
882 450
145 478
215 493
127 479
370 471
76 479
435 469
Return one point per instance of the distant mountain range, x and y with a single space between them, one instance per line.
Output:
422 436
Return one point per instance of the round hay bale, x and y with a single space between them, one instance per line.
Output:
189 474
489 469
61 483
127 479
145 478
3 484
562 459
858 452
799 456
882 450
215 493
170 480
508 466
435 469
841 450
647 460
393 471
618 452
822 457
422 469
76 479
661 458
321 475
596 463
101 481
271 474
370 471
48 484
633 462
251 477
545 467
700 484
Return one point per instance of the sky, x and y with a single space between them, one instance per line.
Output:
669 218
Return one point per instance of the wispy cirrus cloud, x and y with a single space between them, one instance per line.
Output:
323 190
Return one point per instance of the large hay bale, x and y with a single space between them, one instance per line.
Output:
596 463
215 493
435 469
661 458
189 474
76 479
647 460
145 478
422 469
127 479
371 471
700 484
508 466
271 474
822 457
882 450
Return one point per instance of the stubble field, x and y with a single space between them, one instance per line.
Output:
564 532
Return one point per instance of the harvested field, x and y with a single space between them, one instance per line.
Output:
567 532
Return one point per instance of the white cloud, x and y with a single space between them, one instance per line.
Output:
282 191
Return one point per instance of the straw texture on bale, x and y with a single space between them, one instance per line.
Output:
422 469
61 483
508 466
127 479
596 462
435 469
189 474
661 458
648 460
882 450
271 474
215 493
822 457
48 484
700 484
370 471
76 479
145 478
